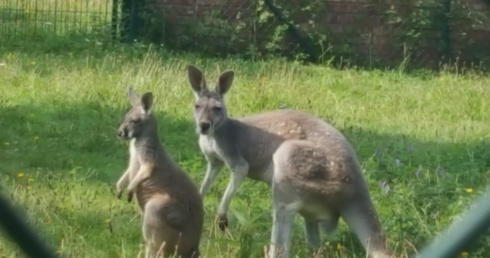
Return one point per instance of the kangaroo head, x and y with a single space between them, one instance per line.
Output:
209 107
139 120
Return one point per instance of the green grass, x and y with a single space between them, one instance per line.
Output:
426 135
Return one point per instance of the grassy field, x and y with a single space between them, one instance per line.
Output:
423 140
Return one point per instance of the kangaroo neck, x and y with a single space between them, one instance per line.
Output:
228 127
149 145
148 140
225 131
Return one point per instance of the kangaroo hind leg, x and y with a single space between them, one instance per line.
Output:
160 238
285 207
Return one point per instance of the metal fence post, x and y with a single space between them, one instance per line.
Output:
446 30
125 19
114 19
459 235
132 20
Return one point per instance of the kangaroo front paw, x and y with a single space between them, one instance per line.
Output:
222 221
130 196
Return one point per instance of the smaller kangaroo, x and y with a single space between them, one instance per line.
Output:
168 199
310 165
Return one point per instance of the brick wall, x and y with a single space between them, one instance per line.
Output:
359 24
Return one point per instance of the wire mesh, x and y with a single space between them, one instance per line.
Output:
366 32
363 29
24 18
361 32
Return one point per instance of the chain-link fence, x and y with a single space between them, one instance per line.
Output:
366 32
373 31
362 32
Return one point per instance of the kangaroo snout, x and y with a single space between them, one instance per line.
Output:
204 125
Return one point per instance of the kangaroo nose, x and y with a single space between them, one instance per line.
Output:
204 125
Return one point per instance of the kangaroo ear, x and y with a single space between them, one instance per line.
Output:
147 102
224 82
197 80
133 97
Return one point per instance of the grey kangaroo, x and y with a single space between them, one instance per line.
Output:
310 165
169 201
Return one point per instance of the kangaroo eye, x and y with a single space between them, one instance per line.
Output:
216 108
135 121
196 106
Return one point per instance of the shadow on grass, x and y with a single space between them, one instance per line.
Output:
74 150
81 141
79 137
419 185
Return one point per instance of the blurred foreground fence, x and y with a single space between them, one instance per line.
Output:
364 32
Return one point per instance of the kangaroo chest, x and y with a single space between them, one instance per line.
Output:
260 162
210 147
133 160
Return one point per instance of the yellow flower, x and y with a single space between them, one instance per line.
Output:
464 254
20 175
33 63
339 246
469 190
28 188
30 179
107 221
36 138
